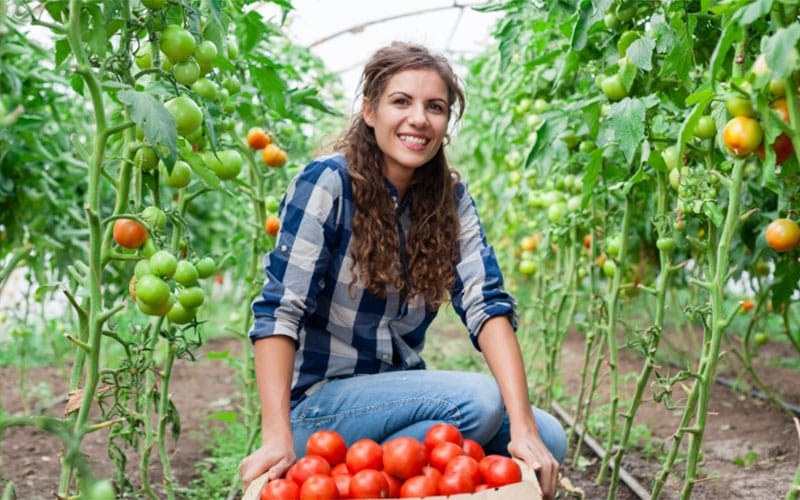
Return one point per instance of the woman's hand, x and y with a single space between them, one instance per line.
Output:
532 451
274 457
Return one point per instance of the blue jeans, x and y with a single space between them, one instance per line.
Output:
407 403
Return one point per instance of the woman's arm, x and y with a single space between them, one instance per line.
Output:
274 360
504 357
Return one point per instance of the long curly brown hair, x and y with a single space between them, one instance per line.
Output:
432 243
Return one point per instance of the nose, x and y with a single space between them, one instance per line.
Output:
417 116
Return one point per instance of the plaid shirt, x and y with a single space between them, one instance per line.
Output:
340 330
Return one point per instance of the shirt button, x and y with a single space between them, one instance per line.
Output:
284 248
385 357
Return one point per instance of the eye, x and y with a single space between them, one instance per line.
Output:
400 101
437 107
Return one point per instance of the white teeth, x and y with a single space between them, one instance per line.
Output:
414 140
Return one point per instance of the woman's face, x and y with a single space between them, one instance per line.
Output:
410 122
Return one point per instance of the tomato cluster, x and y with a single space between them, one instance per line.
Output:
404 467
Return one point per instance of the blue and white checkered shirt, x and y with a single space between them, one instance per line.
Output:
340 330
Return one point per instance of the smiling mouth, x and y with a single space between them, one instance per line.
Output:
417 141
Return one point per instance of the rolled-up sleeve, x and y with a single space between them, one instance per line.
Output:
478 294
295 269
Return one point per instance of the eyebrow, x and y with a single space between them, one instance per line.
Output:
439 99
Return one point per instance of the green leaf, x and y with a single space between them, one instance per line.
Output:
713 212
753 12
641 52
787 274
591 174
156 122
273 88
730 33
587 16
63 51
687 127
626 118
779 50
219 355
199 167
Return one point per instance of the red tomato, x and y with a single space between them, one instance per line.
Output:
369 483
129 233
364 454
483 464
329 445
443 453
419 486
502 471
280 489
455 483
319 487
442 432
339 469
308 466
342 484
394 485
473 449
466 465
404 457
433 473
481 487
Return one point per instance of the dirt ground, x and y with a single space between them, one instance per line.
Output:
740 428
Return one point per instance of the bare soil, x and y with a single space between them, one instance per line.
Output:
740 428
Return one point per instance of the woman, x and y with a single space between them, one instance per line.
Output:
373 240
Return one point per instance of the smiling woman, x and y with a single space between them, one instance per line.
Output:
373 240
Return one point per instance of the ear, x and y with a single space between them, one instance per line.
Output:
367 113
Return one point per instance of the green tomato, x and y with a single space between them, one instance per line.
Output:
613 245
177 43
761 338
625 12
205 88
143 58
188 116
613 88
186 72
104 488
149 248
665 244
609 268
141 268
611 21
527 267
587 146
146 158
205 267
226 164
163 263
232 48
675 178
180 177
556 212
740 106
152 290
670 157
574 203
186 274
206 52
192 297
778 87
155 217
155 310
706 128
625 41
272 204
180 315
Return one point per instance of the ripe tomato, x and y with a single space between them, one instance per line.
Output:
177 43
129 233
188 116
783 235
442 432
442 453
747 305
271 225
309 465
364 454
342 484
418 487
404 457
473 449
369 483
742 135
257 138
528 243
782 145
273 155
432 472
329 445
280 489
319 487
464 464
132 286
502 471
394 485
455 483
483 464
340 469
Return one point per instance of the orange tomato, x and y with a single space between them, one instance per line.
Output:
742 135
257 138
273 155
783 235
271 225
